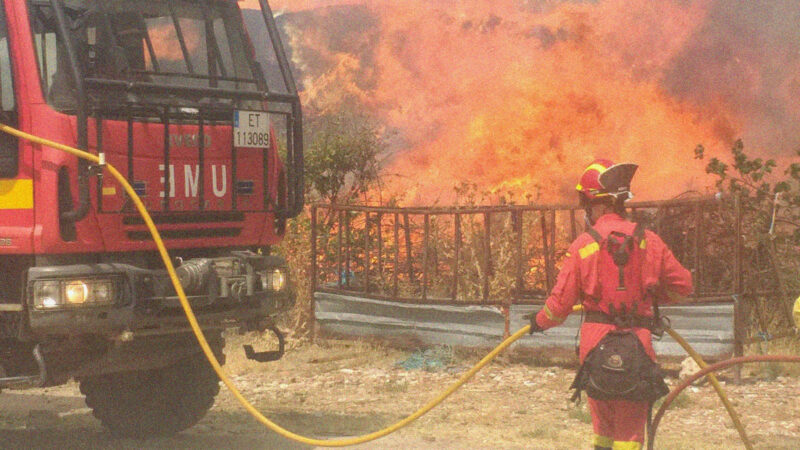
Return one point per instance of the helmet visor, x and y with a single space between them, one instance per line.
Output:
616 179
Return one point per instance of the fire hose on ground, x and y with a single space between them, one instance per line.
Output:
193 323
705 372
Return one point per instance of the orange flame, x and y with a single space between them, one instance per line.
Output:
165 42
295 5
518 96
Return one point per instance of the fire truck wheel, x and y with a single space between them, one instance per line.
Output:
157 402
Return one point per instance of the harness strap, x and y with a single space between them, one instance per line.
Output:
638 234
622 321
594 234
638 241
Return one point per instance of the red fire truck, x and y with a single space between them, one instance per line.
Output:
171 93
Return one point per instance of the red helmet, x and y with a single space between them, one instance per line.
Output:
603 178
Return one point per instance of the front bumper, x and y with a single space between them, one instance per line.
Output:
223 292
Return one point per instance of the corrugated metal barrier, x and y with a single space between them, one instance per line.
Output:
708 327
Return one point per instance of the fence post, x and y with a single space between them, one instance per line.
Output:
456 252
313 269
546 253
396 255
366 252
573 232
738 305
553 243
516 217
698 230
380 247
425 232
347 248
313 273
506 310
339 237
487 249
409 264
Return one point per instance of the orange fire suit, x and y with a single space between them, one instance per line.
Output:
617 423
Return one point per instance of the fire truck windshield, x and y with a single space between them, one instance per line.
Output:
191 44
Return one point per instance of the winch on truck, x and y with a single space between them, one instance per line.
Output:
170 92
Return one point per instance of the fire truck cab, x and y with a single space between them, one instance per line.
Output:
170 93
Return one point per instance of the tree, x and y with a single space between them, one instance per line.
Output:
341 165
770 229
752 178
342 157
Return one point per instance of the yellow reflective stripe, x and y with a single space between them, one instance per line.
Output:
626 445
602 441
796 312
16 194
598 167
643 244
589 250
552 316
109 190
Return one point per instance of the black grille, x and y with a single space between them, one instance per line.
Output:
189 217
186 234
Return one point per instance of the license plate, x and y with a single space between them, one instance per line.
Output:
250 129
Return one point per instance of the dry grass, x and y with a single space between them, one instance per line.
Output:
339 387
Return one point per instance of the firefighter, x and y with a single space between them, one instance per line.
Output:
620 273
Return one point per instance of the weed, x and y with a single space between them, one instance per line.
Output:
681 401
395 386
536 433
580 413
771 370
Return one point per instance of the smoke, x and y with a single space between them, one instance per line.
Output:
297 5
518 97
745 58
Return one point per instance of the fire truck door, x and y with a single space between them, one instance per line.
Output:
9 146
16 180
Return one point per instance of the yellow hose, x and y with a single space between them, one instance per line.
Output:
796 312
207 349
714 382
198 332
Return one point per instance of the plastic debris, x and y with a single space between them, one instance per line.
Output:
430 360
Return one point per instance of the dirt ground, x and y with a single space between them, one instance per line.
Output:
336 388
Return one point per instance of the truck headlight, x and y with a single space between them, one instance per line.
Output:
52 294
76 292
46 294
273 280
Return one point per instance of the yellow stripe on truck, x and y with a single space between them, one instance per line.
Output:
16 194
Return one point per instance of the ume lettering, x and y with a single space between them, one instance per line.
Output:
191 179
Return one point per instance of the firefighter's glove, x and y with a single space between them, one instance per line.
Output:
535 328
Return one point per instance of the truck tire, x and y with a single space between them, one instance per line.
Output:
155 402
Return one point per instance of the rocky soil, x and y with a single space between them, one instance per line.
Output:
341 388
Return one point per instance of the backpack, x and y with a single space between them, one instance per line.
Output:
618 368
